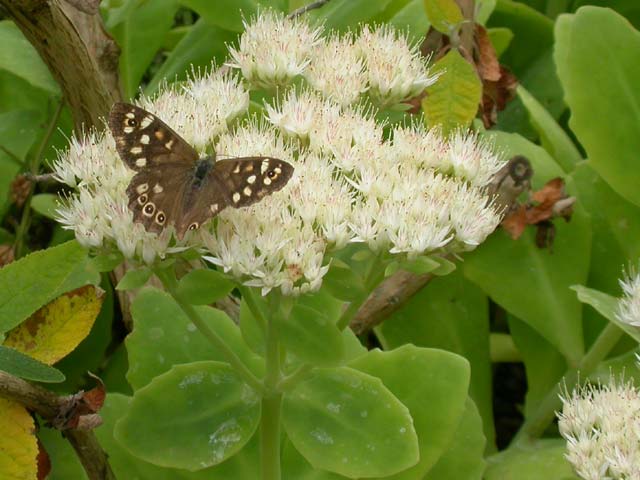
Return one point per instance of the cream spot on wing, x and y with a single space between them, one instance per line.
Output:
251 180
159 134
247 191
143 187
249 168
236 197
146 121
278 170
128 129
214 208
157 188
264 166
141 162
144 139
267 181
237 169
130 115
169 144
136 150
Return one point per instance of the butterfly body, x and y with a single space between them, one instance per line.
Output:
173 185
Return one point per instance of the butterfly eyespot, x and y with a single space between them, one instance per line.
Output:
272 174
194 226
132 122
160 218
142 199
149 208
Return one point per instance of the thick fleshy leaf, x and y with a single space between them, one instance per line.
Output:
17 363
134 279
464 457
544 459
342 15
552 310
45 204
57 328
203 286
452 314
34 280
163 336
203 43
192 417
347 422
343 282
608 93
554 139
418 377
310 332
413 19
544 364
18 445
228 14
607 306
443 15
452 102
140 35
27 64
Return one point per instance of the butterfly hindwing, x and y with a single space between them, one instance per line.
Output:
145 141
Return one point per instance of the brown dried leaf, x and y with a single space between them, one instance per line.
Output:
80 410
20 189
516 222
7 254
487 63
43 461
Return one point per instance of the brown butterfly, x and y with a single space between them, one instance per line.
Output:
173 186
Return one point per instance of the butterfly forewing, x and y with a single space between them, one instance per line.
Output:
145 141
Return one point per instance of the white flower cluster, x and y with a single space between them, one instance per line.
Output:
274 50
408 191
629 304
602 429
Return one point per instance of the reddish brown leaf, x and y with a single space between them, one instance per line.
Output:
496 95
487 63
20 189
43 461
7 254
80 410
516 222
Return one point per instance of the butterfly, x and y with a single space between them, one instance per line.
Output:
173 185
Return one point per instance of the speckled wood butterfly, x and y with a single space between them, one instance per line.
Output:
173 186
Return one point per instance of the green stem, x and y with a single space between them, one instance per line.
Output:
290 381
247 296
168 279
34 166
272 400
270 437
536 424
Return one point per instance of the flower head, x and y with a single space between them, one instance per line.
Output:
629 304
337 70
602 429
273 49
395 70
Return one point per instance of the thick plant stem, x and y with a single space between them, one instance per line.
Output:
167 277
536 424
272 400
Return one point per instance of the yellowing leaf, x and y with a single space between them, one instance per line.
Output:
443 14
57 328
452 102
18 444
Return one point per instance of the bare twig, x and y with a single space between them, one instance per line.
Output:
48 405
311 6
387 298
